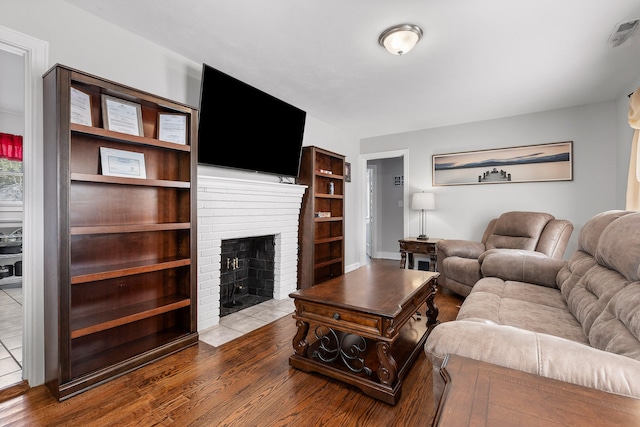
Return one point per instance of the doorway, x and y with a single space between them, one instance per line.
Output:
33 58
12 124
373 225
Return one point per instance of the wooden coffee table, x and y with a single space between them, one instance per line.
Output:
365 328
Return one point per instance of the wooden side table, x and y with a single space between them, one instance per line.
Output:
486 395
412 245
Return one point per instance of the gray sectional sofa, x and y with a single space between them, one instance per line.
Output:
576 321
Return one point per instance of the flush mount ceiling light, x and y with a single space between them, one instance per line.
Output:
400 39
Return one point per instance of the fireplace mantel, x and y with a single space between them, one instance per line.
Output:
230 208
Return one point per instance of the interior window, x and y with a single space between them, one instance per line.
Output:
11 181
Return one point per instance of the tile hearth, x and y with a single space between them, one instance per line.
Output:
237 324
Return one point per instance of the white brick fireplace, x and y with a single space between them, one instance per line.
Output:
234 208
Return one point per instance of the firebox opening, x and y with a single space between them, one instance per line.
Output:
246 273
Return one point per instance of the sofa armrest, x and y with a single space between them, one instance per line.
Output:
555 238
535 353
460 248
521 266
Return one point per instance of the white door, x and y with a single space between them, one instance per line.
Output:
370 206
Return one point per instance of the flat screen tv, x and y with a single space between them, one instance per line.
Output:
245 128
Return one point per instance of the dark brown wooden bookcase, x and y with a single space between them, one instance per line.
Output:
321 231
120 252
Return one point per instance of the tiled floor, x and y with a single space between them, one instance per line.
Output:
237 324
10 335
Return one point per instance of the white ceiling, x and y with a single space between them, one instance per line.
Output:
478 59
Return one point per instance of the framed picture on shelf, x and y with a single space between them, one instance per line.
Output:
122 163
80 107
122 116
172 128
347 171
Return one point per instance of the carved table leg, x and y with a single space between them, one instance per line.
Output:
403 259
432 309
300 343
388 369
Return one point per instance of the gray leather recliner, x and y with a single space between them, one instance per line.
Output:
459 261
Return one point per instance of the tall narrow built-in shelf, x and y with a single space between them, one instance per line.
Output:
321 231
120 279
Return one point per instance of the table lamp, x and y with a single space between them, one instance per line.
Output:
423 202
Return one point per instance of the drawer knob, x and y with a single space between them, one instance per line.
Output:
336 316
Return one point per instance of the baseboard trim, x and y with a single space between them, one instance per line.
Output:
14 391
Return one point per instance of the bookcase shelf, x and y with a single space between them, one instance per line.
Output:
128 139
83 177
98 322
121 270
328 240
321 238
120 279
111 229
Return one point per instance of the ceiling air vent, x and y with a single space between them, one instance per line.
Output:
623 31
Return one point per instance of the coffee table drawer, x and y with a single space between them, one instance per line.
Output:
345 320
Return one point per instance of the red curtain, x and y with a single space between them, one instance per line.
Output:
10 146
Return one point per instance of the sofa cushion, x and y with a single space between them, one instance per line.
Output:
532 352
592 229
522 305
463 270
617 329
521 266
597 277
579 263
619 248
592 293
460 248
518 230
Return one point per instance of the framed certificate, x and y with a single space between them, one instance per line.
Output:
80 107
172 128
122 116
122 163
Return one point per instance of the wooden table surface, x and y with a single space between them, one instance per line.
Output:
377 289
483 394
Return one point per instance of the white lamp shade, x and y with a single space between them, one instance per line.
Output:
423 201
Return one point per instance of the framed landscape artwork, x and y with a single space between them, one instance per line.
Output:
531 163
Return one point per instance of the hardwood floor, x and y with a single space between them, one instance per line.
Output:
245 382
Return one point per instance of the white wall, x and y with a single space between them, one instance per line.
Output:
11 93
464 211
82 41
